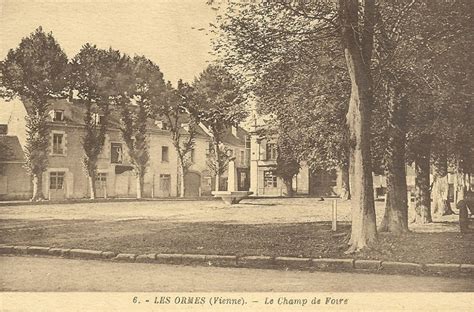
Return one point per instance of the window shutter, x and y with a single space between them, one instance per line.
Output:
263 150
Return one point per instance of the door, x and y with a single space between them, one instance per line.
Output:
192 184
165 185
243 178
270 183
57 185
101 185
125 184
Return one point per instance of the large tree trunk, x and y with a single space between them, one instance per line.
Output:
364 231
217 165
37 187
459 183
37 143
395 219
92 190
422 185
289 187
182 190
140 183
440 188
345 183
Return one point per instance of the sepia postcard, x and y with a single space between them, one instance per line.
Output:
236 155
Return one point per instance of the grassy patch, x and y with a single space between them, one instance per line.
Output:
311 239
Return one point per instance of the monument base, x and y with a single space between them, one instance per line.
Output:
232 197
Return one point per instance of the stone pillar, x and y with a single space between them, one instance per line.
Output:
254 157
232 176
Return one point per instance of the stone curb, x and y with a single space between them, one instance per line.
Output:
149 258
327 264
442 267
34 250
467 268
265 262
59 252
169 258
85 253
368 264
125 257
217 260
397 267
255 261
293 263
108 255
20 250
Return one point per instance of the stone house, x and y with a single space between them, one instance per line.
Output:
15 183
263 163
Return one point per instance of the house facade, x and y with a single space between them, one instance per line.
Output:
15 183
263 164
65 177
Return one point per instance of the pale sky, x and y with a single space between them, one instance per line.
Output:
162 30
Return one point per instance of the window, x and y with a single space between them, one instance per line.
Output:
269 179
101 177
58 115
247 142
99 119
56 180
58 143
116 153
165 154
4 129
271 151
242 157
191 154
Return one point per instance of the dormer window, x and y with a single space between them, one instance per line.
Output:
161 125
99 119
58 115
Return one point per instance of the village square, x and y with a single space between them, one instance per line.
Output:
237 146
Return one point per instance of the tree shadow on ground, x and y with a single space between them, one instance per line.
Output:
435 227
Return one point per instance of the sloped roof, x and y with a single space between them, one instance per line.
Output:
231 139
11 149
75 111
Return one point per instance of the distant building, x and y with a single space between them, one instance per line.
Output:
66 178
263 178
15 183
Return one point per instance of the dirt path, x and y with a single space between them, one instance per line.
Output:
50 274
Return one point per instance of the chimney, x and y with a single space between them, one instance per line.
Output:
234 131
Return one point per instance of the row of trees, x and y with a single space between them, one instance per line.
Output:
106 80
364 86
